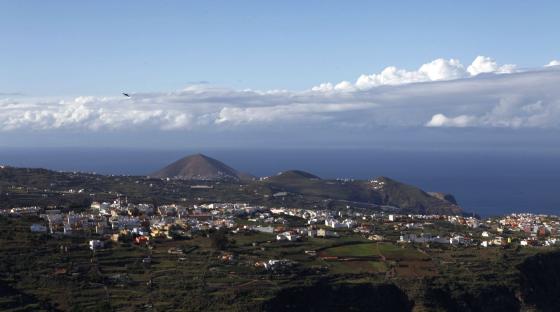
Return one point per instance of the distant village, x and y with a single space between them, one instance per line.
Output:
143 223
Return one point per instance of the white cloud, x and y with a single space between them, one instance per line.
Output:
389 76
484 64
437 70
440 120
344 86
324 87
89 113
509 112
451 96
293 112
553 63
442 69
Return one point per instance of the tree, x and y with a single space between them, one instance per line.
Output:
219 240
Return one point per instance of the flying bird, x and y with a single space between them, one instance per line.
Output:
126 94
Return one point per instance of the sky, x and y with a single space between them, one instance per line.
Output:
414 74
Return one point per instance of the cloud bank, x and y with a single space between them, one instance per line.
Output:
441 93
436 70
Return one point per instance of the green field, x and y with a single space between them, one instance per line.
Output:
388 250
354 250
356 267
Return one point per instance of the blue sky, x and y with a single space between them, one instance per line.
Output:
469 74
62 48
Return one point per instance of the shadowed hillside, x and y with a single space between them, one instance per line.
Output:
379 191
341 297
540 280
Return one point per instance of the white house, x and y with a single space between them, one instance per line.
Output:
332 223
349 223
457 240
38 228
498 240
264 229
326 233
96 244
95 205
287 236
312 233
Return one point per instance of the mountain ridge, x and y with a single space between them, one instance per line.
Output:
301 188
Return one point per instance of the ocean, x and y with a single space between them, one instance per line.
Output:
486 183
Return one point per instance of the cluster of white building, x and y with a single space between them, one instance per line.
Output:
144 221
167 221
21 211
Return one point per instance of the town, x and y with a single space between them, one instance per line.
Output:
142 223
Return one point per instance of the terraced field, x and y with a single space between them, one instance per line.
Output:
42 273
